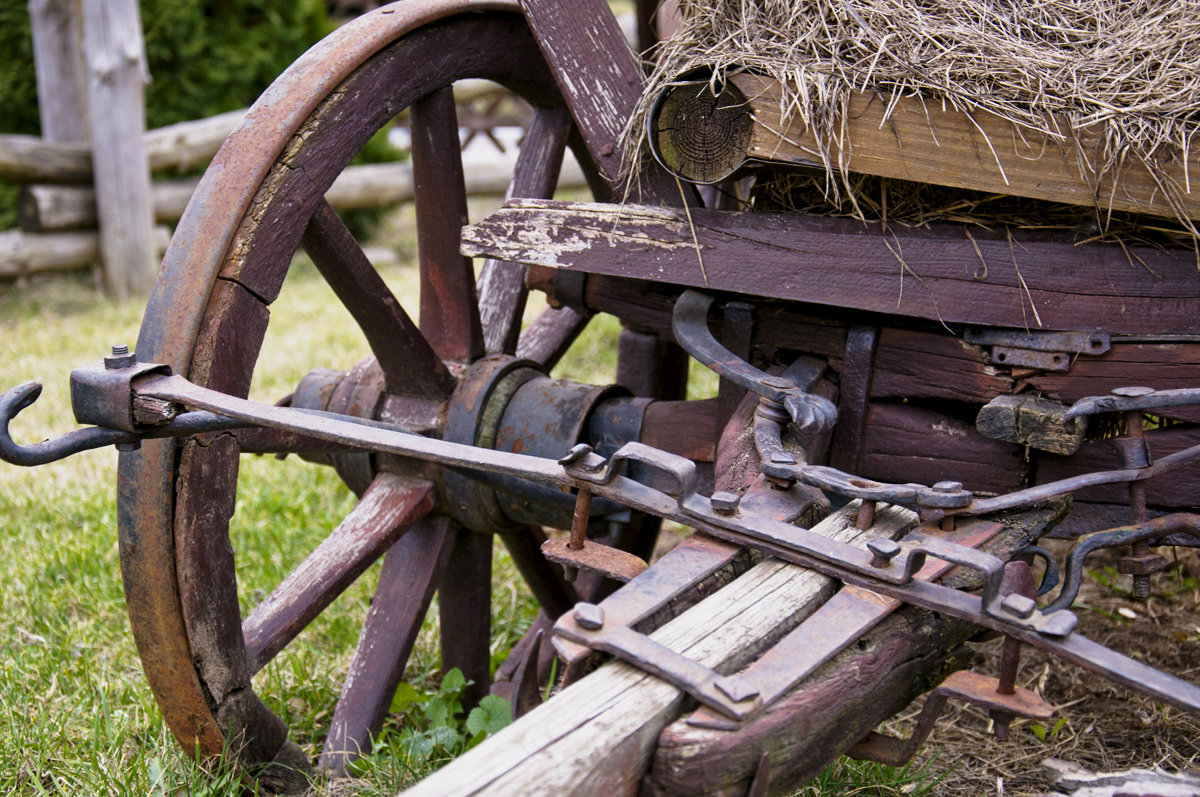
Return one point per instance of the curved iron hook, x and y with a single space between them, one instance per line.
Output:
1050 576
16 399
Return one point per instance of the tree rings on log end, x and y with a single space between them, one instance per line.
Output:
700 136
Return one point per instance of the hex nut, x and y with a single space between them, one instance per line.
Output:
589 616
121 357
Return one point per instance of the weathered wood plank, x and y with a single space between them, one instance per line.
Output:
931 143
58 61
1163 366
910 444
912 364
117 74
601 80
24 253
602 730
923 273
1030 420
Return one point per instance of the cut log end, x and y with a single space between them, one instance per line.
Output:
700 136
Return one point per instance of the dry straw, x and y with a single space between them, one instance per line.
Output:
1054 66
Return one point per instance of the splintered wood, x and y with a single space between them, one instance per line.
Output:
602 731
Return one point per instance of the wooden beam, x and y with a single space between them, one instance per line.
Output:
23 253
927 142
58 61
1034 280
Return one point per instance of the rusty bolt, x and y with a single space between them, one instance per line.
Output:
120 358
736 688
1142 564
948 487
782 458
725 503
1019 605
777 382
883 551
589 616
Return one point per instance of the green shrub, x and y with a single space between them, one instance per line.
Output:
205 57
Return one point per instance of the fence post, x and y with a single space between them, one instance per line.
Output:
117 74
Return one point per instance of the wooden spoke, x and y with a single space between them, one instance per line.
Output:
390 506
449 315
550 335
410 366
465 604
502 290
411 569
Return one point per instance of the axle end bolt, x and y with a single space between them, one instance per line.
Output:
883 551
589 616
725 503
120 358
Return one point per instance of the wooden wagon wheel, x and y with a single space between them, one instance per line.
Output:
262 198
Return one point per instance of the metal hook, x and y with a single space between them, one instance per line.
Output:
16 399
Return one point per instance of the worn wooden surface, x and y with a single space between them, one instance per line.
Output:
1032 421
923 273
23 253
599 734
926 142
905 443
57 31
116 65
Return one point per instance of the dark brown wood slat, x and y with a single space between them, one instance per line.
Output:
847 445
547 339
410 573
464 612
389 507
1163 366
502 290
449 314
912 364
651 366
921 273
601 80
910 444
410 366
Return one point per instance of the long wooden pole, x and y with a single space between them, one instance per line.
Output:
117 75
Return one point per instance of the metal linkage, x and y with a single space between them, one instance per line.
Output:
886 570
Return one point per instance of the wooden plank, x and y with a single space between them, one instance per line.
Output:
925 273
27 159
117 74
24 253
914 364
1163 366
601 80
910 138
602 730
905 444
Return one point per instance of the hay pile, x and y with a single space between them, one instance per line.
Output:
1054 66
